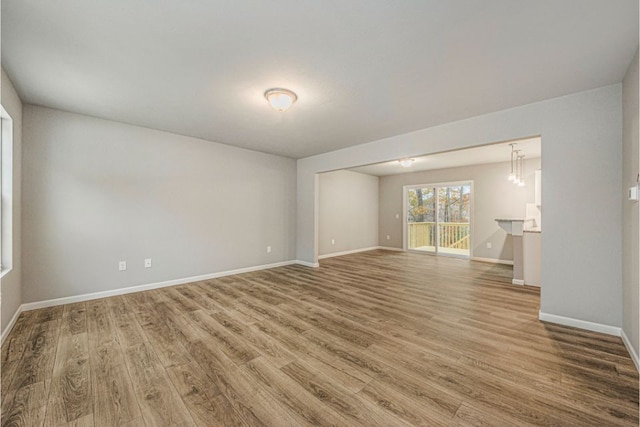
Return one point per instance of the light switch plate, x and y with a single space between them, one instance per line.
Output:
633 193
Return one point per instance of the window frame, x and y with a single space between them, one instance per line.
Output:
6 192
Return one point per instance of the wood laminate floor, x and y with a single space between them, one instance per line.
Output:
373 339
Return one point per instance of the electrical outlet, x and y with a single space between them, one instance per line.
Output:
397 216
268 249
489 245
122 265
333 241
147 263
388 237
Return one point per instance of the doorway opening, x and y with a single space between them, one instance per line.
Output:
438 218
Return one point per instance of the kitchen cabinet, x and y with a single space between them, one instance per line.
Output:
531 257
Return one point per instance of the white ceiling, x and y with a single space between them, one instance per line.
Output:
363 69
494 153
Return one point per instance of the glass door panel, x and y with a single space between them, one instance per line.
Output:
453 218
421 215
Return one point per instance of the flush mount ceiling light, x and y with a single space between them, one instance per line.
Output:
280 99
405 163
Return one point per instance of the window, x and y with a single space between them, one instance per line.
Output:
6 191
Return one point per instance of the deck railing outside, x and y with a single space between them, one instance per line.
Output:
451 235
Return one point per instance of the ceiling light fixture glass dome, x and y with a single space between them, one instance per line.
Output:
280 99
405 163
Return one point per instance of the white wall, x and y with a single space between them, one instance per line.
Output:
493 197
581 154
11 282
348 212
97 192
630 210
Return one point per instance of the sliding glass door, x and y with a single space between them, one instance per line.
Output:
438 218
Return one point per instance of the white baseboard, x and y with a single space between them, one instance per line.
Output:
630 349
12 322
581 324
157 285
518 282
492 260
307 263
390 248
353 251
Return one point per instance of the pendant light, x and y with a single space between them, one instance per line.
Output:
512 175
520 179
516 178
